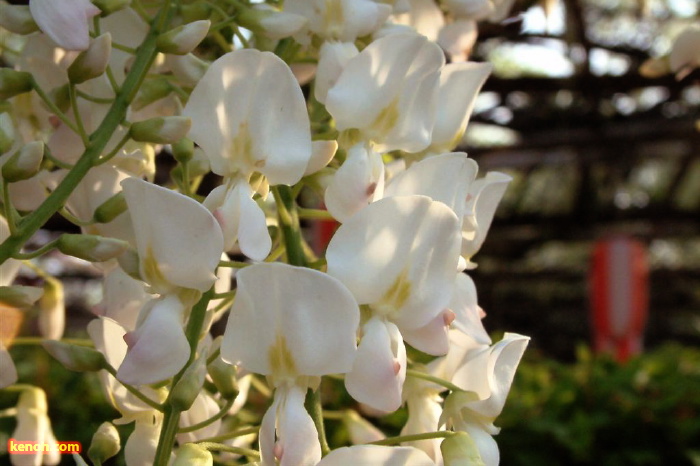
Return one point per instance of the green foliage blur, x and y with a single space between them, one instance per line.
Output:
598 412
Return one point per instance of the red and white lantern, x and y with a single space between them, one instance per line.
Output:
619 293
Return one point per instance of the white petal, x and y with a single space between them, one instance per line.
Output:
381 89
458 39
332 58
488 448
425 17
142 444
284 314
445 178
467 311
266 436
459 85
158 348
399 255
203 408
123 298
298 437
249 114
323 152
359 181
423 416
178 240
10 268
374 379
431 338
486 193
65 21
253 237
376 455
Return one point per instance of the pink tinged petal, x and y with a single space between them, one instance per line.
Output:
432 338
380 90
485 194
297 443
65 21
468 313
459 85
249 115
332 58
379 370
305 324
179 242
358 182
490 372
158 348
267 437
8 374
376 455
445 178
399 255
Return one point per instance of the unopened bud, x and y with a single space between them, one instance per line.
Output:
460 450
183 39
191 454
151 91
19 296
32 399
189 385
92 62
110 209
224 377
52 310
110 6
61 97
271 23
75 357
91 248
17 19
25 163
130 264
14 83
105 443
7 133
161 130
188 69
183 150
195 11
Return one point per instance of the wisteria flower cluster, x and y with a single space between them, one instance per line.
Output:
276 117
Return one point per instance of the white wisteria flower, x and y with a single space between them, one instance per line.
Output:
65 21
398 256
293 325
249 116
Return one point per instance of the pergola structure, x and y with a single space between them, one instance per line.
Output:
595 149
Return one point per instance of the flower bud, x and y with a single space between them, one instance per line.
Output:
19 296
183 39
151 91
110 6
191 454
74 357
460 450
224 377
195 11
161 130
270 23
13 82
17 19
189 385
52 310
110 209
105 443
61 97
183 150
7 133
25 163
130 264
92 62
188 69
91 248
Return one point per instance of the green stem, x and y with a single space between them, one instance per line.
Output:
171 420
211 420
315 408
98 141
229 449
41 251
52 106
116 149
233 264
289 224
76 113
315 214
92 98
413 438
39 340
234 434
9 210
436 380
135 391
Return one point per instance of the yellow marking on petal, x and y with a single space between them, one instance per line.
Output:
334 18
242 149
281 359
387 119
396 296
151 271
